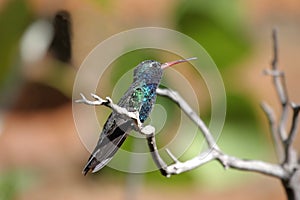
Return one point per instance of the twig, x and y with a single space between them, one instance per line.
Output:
110 104
269 112
282 143
274 170
149 132
280 86
201 159
291 155
155 155
294 127
172 156
287 155
229 162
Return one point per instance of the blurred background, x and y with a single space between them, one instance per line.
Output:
43 43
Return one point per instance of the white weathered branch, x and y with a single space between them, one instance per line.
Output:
282 140
214 153
230 162
278 144
291 160
295 123
175 96
287 155
280 86
110 104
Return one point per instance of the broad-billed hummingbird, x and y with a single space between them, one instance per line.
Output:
140 96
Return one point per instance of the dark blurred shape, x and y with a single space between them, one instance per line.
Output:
61 44
37 96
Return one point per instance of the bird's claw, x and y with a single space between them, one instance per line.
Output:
98 100
108 100
82 100
96 97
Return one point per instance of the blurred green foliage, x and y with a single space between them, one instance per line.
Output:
104 3
240 110
218 26
14 18
14 182
130 60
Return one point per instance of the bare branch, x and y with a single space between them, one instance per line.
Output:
294 127
229 162
254 166
279 76
280 86
274 131
201 159
289 158
173 95
109 103
283 148
172 156
275 49
226 160
149 132
97 102
214 153
291 155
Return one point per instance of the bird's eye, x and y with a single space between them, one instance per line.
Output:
154 65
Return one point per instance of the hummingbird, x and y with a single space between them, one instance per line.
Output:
140 97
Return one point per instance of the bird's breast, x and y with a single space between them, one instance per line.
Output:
148 101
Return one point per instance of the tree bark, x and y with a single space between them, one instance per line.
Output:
292 186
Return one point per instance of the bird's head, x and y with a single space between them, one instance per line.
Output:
151 71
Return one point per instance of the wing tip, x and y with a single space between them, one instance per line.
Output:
92 162
94 165
85 171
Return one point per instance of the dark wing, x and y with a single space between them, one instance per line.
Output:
112 137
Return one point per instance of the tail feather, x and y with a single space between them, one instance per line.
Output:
91 164
107 146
